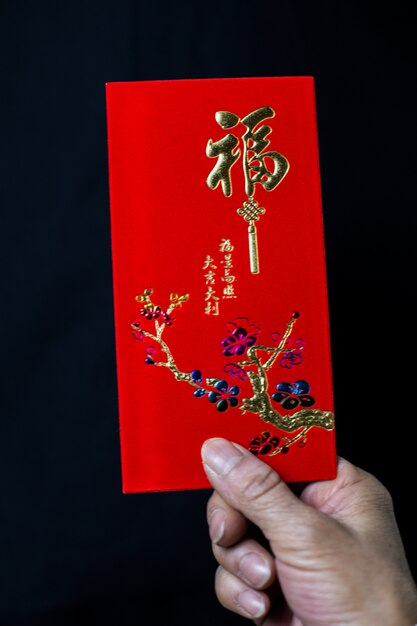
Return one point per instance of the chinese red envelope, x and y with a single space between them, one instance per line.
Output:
219 277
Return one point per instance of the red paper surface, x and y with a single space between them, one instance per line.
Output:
166 222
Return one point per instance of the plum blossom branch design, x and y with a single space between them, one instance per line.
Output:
256 361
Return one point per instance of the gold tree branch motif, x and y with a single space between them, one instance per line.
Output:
259 360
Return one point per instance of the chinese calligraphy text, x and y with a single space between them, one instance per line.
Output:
226 248
211 299
210 268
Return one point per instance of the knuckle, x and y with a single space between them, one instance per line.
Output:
214 503
367 489
261 485
382 495
374 492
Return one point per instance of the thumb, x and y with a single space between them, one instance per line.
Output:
256 490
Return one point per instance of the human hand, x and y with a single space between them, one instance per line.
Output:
332 557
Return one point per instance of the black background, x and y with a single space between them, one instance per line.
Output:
74 550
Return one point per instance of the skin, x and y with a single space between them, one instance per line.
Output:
331 557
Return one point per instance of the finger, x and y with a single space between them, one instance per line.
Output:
249 561
226 525
358 501
234 595
354 497
253 488
279 615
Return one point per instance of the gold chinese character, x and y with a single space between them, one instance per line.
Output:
255 141
226 246
227 261
228 278
210 278
209 263
256 166
229 291
212 308
210 294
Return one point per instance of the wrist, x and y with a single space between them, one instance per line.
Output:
398 606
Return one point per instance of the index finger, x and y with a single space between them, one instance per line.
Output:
227 526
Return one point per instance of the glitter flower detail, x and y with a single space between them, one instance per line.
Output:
149 355
234 370
137 332
197 378
289 359
224 397
151 312
263 444
242 336
167 318
290 395
294 353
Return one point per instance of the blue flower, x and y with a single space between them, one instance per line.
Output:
196 376
290 395
224 397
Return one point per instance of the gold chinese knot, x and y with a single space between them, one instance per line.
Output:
255 166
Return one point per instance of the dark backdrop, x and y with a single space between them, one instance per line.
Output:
73 549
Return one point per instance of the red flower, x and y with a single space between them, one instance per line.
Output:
137 332
151 312
263 444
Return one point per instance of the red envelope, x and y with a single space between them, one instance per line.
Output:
219 277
